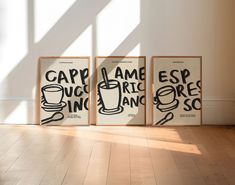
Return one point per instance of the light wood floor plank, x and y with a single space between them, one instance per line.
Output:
56 172
98 165
119 167
78 168
142 172
208 168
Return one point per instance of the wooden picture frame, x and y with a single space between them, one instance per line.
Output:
175 103
109 69
64 91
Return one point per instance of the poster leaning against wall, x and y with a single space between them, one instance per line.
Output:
64 90
177 90
120 90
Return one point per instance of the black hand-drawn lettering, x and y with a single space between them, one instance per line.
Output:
78 105
196 104
132 87
60 76
185 74
134 74
191 89
174 78
125 87
84 75
73 73
77 91
198 83
180 91
48 76
162 76
133 101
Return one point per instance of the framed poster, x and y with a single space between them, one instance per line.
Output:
177 90
120 90
64 90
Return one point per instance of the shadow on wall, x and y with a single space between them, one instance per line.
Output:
65 31
55 42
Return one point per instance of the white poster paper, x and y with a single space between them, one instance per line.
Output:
120 90
176 90
64 90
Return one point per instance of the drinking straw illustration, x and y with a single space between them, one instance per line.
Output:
105 77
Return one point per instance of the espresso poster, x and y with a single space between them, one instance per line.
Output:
176 90
120 91
64 90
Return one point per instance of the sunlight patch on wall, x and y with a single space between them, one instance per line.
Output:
47 13
116 21
34 89
20 114
13 45
82 46
135 51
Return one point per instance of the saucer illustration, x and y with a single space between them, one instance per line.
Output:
53 107
165 99
110 111
168 107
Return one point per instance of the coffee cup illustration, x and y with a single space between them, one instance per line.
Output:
53 93
110 95
165 99
52 98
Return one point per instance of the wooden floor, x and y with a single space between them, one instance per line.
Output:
33 155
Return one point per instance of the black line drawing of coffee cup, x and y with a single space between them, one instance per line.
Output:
110 95
52 101
53 93
165 99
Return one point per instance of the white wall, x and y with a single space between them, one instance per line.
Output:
33 28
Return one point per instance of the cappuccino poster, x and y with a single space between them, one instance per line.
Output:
64 90
176 90
120 90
